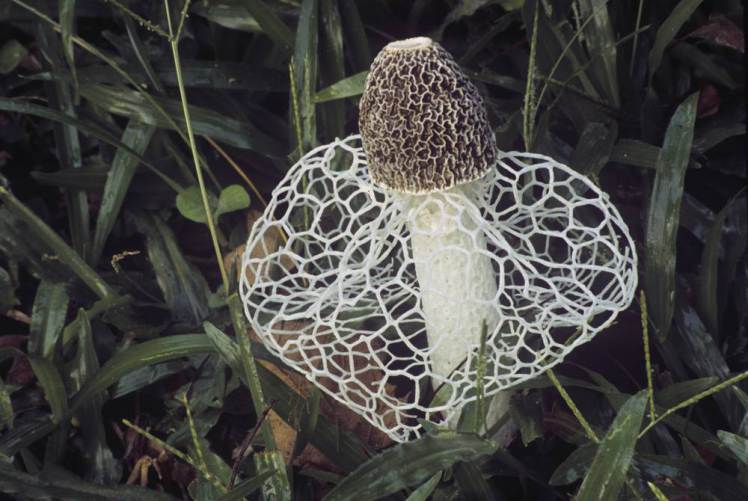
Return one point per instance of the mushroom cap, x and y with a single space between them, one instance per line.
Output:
423 123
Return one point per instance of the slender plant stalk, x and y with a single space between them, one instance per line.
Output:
139 19
175 452
238 170
249 367
202 464
574 409
174 42
647 355
567 47
696 398
528 117
636 36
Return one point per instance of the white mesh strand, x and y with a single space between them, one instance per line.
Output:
533 249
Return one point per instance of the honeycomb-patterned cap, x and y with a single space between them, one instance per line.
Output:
423 123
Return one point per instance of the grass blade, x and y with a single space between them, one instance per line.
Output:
137 137
409 464
737 444
667 31
56 244
348 87
103 467
47 319
184 287
663 214
123 102
614 453
305 72
271 25
54 389
66 136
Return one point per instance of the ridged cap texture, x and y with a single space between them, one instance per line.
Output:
423 123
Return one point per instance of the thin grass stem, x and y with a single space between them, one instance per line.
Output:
193 148
647 355
574 409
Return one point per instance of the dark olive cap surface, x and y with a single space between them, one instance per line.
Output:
423 123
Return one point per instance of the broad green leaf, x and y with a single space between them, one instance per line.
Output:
737 444
708 274
639 153
698 350
141 355
87 127
7 294
102 467
59 484
47 318
137 136
54 389
704 64
271 24
231 14
614 453
190 204
423 492
246 487
355 36
305 70
705 479
663 214
594 148
55 244
471 483
64 96
510 5
232 198
348 87
140 378
683 390
66 10
184 287
11 55
409 464
6 406
331 68
575 465
122 101
277 486
668 30
90 179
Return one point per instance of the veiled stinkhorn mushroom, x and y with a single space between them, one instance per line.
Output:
399 250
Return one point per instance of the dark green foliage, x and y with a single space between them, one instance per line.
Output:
113 308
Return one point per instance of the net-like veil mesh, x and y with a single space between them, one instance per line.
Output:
334 282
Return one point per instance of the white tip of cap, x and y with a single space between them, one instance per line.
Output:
411 44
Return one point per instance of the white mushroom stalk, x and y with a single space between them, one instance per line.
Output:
404 242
